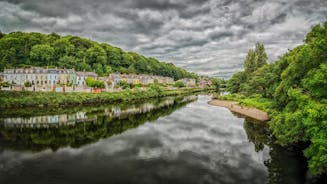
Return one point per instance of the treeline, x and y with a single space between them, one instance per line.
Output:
297 85
18 49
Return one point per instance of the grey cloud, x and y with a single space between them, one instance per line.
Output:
209 37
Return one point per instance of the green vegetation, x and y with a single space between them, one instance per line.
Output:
297 87
28 84
124 84
179 84
9 99
94 83
255 100
18 49
4 84
249 81
218 84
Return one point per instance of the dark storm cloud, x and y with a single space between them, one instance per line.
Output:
208 37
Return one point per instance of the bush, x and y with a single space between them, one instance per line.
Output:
179 84
155 87
5 84
94 83
124 84
28 84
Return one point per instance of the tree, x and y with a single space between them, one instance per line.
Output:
42 54
234 84
260 55
316 82
249 63
63 47
216 82
94 83
1 34
18 49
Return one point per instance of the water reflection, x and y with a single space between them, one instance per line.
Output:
84 126
186 143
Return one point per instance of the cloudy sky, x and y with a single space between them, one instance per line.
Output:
209 37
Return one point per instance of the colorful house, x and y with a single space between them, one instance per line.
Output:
72 78
41 76
62 76
53 77
189 82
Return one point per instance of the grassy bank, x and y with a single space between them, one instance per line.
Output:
250 101
32 99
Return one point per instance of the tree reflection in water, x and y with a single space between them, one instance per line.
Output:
76 127
286 165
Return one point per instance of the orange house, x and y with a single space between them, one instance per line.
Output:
96 90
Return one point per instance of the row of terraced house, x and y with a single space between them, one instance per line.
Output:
47 79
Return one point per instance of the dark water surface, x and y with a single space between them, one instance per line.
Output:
181 140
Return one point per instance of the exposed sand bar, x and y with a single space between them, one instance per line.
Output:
246 111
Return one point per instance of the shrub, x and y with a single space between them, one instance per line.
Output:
5 84
179 84
28 84
124 84
94 83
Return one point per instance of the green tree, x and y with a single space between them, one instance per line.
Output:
94 83
18 49
250 62
260 55
42 54
234 84
217 83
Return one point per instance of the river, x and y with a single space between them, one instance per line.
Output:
169 140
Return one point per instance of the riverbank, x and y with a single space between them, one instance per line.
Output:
52 99
233 106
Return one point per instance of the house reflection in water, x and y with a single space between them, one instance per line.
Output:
44 121
81 116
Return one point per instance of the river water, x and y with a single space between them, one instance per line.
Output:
169 140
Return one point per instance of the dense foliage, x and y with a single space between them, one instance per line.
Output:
179 84
10 99
241 82
18 49
94 83
297 83
218 84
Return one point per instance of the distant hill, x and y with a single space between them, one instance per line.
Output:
19 49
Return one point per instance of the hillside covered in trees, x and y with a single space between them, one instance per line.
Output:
297 86
19 49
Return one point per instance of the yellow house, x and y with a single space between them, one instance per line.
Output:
62 76
136 81
41 76
124 79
